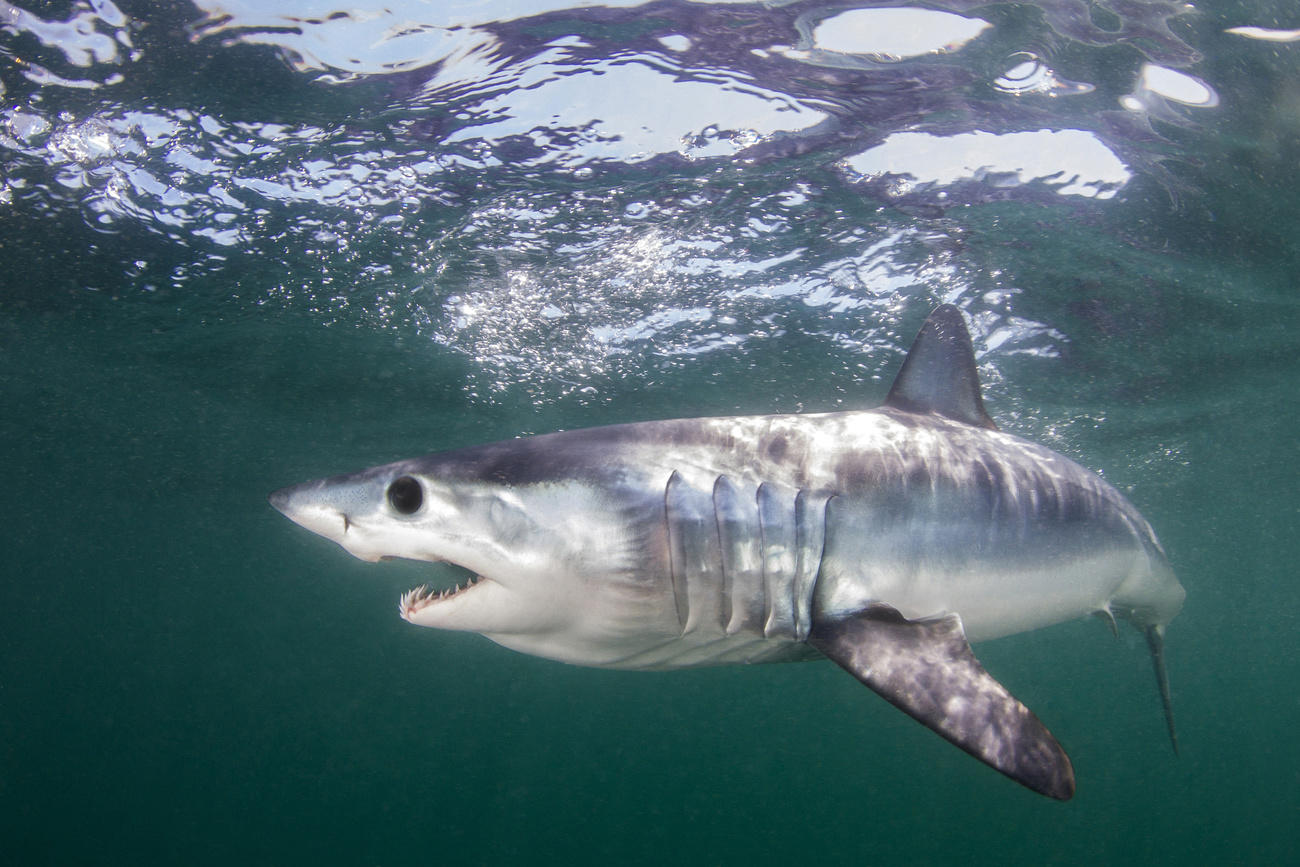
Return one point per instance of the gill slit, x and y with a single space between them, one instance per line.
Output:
676 568
763 558
725 586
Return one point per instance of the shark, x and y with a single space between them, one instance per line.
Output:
887 540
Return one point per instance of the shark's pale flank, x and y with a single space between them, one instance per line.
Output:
886 540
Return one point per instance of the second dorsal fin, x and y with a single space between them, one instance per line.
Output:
939 374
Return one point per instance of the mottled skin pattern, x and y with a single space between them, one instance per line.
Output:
893 535
926 669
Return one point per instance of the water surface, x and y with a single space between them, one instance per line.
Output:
246 244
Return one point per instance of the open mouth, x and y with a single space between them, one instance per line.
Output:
419 598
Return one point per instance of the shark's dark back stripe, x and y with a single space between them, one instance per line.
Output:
561 456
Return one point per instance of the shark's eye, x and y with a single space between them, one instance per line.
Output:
405 495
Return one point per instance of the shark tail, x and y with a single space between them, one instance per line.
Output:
1156 641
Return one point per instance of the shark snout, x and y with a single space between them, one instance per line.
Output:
279 500
312 512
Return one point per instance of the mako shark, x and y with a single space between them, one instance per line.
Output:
886 540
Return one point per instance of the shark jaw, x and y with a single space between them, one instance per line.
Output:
429 606
419 598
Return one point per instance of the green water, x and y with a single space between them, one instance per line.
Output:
187 678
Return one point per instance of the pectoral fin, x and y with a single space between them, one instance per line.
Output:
927 669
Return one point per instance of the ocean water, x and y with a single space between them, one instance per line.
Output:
245 244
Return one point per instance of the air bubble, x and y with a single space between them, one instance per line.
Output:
1027 73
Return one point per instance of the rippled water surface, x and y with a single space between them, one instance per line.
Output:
249 243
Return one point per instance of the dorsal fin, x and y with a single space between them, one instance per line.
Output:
939 373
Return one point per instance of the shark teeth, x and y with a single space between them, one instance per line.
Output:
423 596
